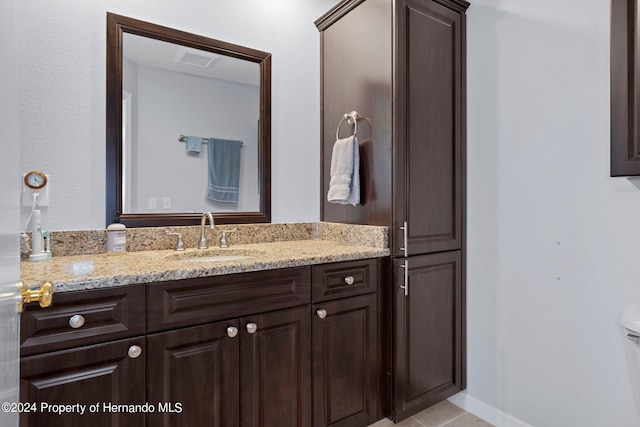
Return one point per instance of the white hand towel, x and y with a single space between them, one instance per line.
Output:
344 187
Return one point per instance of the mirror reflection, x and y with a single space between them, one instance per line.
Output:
188 127
178 105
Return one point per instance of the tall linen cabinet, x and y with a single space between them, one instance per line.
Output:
401 65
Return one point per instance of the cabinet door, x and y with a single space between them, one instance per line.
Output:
275 358
429 128
625 76
102 374
194 373
345 362
428 331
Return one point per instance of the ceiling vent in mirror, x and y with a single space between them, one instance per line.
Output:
197 58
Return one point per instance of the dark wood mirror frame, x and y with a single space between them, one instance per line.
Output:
116 26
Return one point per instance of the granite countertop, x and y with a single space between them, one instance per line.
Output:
78 272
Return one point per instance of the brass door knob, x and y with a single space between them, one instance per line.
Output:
44 295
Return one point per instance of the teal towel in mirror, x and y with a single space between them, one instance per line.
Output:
224 170
194 144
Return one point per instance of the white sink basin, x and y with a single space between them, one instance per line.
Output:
215 255
215 258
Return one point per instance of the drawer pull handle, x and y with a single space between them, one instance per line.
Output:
76 321
405 267
252 328
349 280
405 236
134 351
232 331
321 313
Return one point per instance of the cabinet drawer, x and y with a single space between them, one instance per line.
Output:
102 315
196 301
344 279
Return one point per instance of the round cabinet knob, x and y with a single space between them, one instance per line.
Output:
321 313
252 328
134 351
76 321
349 280
232 331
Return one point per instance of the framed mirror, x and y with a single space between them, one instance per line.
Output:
188 127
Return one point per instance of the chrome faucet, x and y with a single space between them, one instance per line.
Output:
203 221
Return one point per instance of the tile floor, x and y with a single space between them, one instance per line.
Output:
443 414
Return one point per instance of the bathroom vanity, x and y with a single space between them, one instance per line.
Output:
293 346
302 332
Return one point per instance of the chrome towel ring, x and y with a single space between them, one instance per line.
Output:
352 119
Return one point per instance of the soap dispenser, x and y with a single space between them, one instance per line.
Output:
116 239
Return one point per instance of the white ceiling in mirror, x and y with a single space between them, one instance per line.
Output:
173 57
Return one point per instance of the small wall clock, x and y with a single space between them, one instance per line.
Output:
35 180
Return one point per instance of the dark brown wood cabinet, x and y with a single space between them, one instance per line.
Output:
178 303
625 76
231 351
275 369
345 362
346 336
73 353
197 368
403 71
344 279
83 317
429 135
245 372
106 375
428 331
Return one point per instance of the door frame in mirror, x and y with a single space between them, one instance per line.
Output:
116 26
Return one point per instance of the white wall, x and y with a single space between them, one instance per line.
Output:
62 65
553 240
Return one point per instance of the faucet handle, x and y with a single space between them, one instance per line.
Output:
224 243
180 245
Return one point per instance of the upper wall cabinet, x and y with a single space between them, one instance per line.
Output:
403 71
625 92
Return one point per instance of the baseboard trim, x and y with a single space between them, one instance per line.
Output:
485 411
